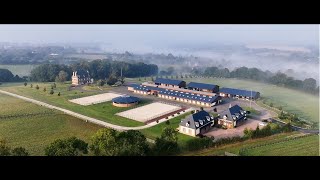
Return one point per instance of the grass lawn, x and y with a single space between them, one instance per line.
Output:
103 111
252 111
20 70
156 131
39 130
303 104
304 146
235 148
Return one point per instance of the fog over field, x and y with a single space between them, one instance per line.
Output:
293 49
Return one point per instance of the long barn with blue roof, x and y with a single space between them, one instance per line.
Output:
212 88
170 83
239 93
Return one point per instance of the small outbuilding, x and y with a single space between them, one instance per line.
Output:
125 101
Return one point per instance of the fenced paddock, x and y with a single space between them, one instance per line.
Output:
95 99
149 112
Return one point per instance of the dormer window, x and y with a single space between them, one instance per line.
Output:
201 122
208 118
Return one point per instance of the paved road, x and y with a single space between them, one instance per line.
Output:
83 117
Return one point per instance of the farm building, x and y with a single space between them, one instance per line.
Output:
80 77
203 87
187 97
170 83
197 123
190 98
232 117
238 93
125 101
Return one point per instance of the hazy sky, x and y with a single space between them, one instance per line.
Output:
162 34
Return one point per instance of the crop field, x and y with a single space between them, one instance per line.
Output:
103 111
235 148
301 146
33 127
304 105
20 70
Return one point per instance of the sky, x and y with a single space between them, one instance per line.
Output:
162 35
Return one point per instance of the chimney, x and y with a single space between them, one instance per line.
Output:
75 74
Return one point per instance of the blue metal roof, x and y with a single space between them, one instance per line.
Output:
238 92
125 99
201 85
197 120
190 96
168 81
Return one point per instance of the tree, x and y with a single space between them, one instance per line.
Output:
112 80
51 92
170 70
37 87
168 122
152 79
44 89
309 85
25 83
104 143
5 75
145 78
59 94
67 147
132 143
54 85
167 143
4 149
121 79
31 85
101 82
139 78
62 76
181 76
19 151
177 76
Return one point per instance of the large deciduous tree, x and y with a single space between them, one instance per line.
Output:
67 147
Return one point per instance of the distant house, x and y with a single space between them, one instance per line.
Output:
232 117
196 124
80 77
170 83
239 93
203 87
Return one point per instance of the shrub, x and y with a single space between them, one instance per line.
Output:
59 94
44 89
37 87
280 108
199 143
167 122
31 85
25 84
167 117
51 92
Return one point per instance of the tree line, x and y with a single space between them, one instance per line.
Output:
98 69
280 79
7 76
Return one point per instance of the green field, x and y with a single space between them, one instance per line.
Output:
34 127
302 104
20 70
303 146
155 131
103 111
